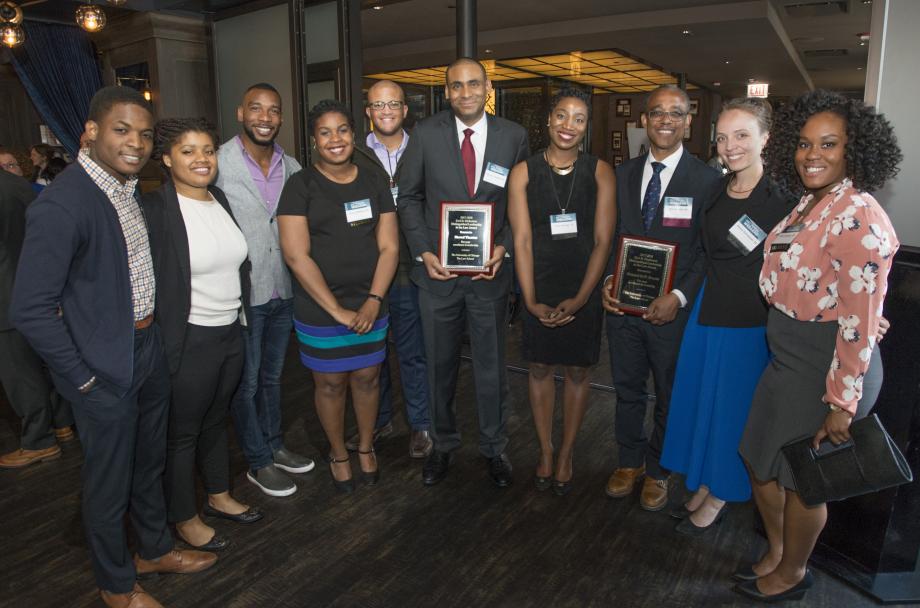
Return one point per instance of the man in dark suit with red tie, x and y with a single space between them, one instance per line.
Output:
462 154
660 195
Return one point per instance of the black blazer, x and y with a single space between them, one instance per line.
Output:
169 245
72 296
15 196
692 178
432 172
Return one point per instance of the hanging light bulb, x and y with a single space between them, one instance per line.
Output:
90 18
10 12
12 35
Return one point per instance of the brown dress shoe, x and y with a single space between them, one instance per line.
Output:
23 458
420 444
176 562
623 480
137 598
64 434
654 495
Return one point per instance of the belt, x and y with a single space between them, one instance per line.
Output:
144 323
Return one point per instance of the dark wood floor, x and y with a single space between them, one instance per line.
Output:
463 543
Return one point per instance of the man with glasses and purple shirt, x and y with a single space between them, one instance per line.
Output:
252 170
382 156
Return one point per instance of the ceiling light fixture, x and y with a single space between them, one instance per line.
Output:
687 33
727 61
377 7
11 35
91 18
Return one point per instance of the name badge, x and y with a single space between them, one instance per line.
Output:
785 238
678 211
394 190
358 212
746 235
563 226
496 175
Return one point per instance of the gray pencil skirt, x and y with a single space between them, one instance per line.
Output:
787 404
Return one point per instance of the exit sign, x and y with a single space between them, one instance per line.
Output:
758 89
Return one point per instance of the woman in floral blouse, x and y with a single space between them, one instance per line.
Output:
825 276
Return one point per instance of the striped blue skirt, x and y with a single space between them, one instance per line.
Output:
333 349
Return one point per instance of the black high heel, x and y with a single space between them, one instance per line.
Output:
370 477
346 486
796 592
687 527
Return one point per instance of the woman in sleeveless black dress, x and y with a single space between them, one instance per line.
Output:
562 212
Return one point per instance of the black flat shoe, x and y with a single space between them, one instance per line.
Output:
217 543
370 478
249 516
749 589
346 486
542 483
681 512
745 573
561 488
687 527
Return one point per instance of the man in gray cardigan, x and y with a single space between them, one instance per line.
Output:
252 170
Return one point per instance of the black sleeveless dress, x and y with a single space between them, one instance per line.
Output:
559 265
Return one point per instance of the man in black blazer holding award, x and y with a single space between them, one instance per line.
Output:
660 195
462 155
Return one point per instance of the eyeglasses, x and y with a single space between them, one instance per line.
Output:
379 105
675 115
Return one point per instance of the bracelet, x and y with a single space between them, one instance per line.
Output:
834 408
374 296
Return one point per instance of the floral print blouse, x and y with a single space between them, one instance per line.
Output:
835 269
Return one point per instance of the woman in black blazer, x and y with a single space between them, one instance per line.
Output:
202 274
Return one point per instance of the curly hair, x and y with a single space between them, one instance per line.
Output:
328 106
169 131
572 92
872 151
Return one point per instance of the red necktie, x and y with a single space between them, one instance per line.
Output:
469 161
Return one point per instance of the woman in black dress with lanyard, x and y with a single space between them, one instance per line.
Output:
562 212
339 237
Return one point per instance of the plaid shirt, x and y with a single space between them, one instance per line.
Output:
134 228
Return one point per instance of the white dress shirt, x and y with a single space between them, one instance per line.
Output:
478 139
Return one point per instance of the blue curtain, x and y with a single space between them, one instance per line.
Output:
58 69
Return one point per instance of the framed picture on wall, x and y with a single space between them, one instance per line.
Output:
632 124
694 107
687 134
624 108
617 159
616 141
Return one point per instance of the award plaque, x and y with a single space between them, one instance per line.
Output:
644 271
465 244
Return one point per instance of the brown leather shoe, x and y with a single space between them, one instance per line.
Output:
420 444
654 495
23 458
64 434
137 598
623 480
176 562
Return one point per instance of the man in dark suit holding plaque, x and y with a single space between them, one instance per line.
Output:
462 155
660 195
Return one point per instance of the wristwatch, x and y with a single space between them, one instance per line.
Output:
89 384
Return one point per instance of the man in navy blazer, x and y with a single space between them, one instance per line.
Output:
462 154
660 195
84 299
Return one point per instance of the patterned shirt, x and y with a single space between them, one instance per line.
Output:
134 228
835 269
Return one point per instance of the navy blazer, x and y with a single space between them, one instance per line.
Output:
72 296
692 178
172 266
432 171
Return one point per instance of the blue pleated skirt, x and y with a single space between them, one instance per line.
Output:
717 371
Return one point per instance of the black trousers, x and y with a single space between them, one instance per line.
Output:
444 319
30 393
209 372
124 450
636 348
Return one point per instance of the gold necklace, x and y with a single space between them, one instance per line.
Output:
558 170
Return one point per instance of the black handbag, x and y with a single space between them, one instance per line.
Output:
870 461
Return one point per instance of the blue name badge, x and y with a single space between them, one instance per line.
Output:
563 226
496 175
358 212
746 235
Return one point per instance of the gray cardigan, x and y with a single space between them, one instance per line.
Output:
269 273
